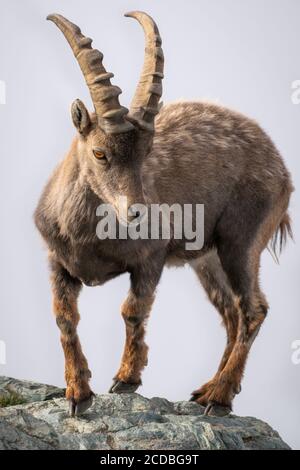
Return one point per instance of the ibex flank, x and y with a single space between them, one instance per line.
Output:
183 153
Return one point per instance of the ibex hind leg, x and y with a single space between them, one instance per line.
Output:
216 284
240 243
250 311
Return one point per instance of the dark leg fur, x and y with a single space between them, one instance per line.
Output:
239 250
135 311
214 280
228 382
65 293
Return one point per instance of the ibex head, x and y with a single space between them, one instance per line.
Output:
113 141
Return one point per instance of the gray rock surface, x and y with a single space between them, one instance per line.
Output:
29 391
127 421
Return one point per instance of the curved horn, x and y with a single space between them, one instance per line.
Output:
145 102
110 113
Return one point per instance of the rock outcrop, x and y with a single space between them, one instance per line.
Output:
127 421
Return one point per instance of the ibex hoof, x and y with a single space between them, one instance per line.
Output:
77 408
214 409
122 387
194 397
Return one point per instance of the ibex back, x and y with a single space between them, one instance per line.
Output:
184 153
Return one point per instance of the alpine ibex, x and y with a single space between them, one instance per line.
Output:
186 152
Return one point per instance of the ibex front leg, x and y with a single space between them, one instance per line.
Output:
135 311
65 294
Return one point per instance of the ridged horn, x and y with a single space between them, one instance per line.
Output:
145 103
110 114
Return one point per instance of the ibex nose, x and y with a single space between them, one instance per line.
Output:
132 214
129 210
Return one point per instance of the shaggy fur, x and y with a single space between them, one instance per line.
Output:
199 153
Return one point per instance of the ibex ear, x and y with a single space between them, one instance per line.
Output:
80 116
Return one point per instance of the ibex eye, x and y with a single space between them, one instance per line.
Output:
99 154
